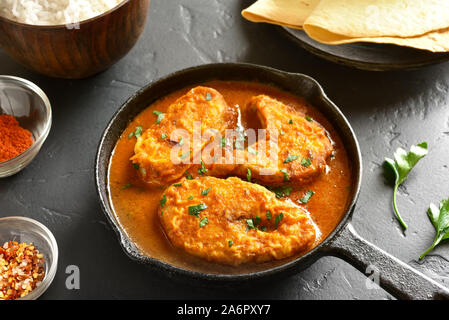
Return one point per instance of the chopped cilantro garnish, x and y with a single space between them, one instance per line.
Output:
136 166
291 158
252 151
126 186
203 169
306 162
205 192
307 196
163 136
286 177
185 155
291 121
178 184
203 222
195 210
138 131
309 119
230 243
190 198
282 191
278 219
269 216
189 176
160 116
163 200
249 175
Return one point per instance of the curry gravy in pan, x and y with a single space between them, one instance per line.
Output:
135 204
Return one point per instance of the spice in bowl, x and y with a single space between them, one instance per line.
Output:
13 138
21 270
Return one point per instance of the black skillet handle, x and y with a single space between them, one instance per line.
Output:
394 276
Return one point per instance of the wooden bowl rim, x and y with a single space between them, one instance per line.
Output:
63 26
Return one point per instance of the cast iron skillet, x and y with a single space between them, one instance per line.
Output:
395 276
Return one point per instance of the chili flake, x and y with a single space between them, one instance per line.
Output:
21 270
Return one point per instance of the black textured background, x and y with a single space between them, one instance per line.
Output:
387 110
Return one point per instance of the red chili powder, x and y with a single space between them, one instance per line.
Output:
13 139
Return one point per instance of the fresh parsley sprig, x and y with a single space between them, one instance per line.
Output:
402 164
440 220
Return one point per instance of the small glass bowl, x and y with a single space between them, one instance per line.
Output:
22 229
31 107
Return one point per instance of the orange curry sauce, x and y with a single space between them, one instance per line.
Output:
135 204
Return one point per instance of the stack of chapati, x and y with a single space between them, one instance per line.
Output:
421 24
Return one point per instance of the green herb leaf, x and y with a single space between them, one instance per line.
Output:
239 143
281 192
291 121
203 222
401 166
126 186
163 136
250 224
160 116
291 158
230 243
205 192
286 177
189 176
178 184
306 162
190 198
138 131
163 200
203 169
130 135
307 196
252 151
269 216
257 220
136 166
263 228
249 175
208 96
278 219
185 155
195 210
309 119
440 220
223 142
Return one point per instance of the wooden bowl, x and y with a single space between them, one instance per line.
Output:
79 50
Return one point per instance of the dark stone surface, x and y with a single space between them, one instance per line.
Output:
387 110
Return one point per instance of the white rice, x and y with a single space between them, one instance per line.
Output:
54 12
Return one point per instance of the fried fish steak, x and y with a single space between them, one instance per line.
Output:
201 106
230 221
295 150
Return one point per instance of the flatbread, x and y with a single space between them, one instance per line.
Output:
421 24
376 18
289 13
437 41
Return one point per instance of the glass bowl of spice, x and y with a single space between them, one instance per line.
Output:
25 121
28 258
